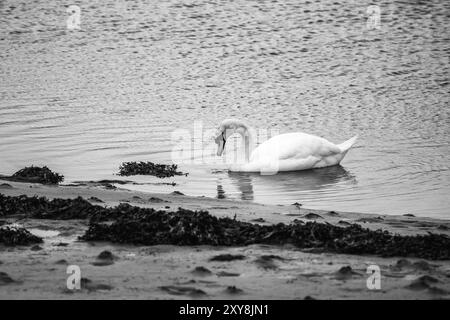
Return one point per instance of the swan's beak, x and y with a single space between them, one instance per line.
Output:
220 149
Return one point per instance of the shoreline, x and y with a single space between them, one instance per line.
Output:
172 272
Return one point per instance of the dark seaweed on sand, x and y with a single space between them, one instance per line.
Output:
13 236
56 209
149 168
185 227
36 175
147 226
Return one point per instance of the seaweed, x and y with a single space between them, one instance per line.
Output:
43 208
201 271
233 290
36 175
149 168
227 257
5 279
13 236
148 226
105 258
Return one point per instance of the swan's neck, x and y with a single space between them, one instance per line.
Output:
246 132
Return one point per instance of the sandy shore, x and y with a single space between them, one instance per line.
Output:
173 272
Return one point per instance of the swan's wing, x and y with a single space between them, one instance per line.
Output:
296 145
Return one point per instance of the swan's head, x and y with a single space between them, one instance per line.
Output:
226 129
220 140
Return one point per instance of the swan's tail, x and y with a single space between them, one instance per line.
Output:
345 146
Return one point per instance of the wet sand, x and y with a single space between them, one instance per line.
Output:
192 272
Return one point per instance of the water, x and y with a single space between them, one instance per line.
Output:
83 101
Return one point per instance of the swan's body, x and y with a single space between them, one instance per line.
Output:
284 152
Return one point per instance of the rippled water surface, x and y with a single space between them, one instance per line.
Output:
83 101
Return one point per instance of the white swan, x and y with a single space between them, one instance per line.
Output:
285 152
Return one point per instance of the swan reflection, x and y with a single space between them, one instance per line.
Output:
287 182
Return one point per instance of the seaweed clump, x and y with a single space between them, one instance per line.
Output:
13 236
149 168
36 175
56 209
185 227
147 226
